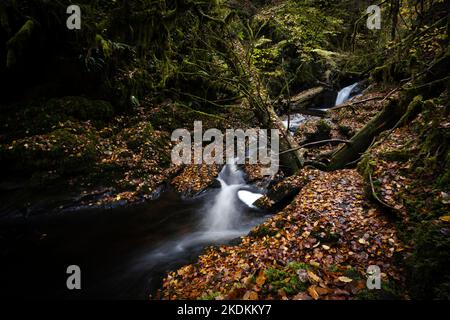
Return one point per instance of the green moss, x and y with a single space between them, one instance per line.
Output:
388 291
443 180
352 273
397 155
18 43
211 296
37 117
298 265
428 265
322 132
285 279
61 151
80 108
345 130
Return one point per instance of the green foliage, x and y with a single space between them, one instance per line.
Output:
65 151
428 266
287 279
291 43
322 132
37 117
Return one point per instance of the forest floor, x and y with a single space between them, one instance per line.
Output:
319 246
390 212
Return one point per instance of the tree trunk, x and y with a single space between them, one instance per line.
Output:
292 161
386 119
301 100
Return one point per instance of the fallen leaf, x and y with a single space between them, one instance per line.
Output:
250 295
302 296
345 279
313 293
261 279
313 277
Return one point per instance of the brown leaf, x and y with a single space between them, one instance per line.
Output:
302 296
313 277
313 293
250 295
260 279
322 291
345 279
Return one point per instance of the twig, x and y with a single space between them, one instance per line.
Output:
316 165
346 104
314 143
200 112
374 194
390 93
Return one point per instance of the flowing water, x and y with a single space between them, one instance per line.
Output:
124 252
344 94
295 120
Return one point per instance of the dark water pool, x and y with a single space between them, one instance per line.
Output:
123 253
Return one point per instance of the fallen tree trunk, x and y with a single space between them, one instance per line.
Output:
385 120
302 100
312 112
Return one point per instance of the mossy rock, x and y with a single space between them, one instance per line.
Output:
81 108
290 279
322 132
38 117
346 131
137 135
61 151
429 276
152 144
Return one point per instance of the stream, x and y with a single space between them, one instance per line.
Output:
295 120
123 253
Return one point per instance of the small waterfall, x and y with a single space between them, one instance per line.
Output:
344 94
224 214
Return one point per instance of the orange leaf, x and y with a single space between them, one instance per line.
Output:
250 295
261 279
313 277
313 293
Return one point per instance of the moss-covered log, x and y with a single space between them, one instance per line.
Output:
385 120
301 100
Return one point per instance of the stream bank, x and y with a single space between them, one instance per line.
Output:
318 247
123 252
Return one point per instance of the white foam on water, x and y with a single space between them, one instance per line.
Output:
344 94
249 198
295 121
224 213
